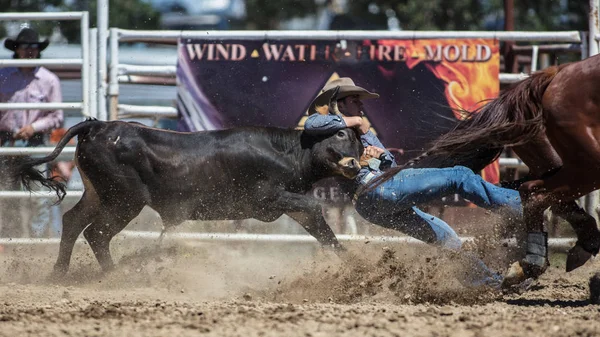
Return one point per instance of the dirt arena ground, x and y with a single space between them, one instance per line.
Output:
279 290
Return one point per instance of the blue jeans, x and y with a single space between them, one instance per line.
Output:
393 203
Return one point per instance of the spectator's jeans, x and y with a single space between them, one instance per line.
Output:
11 220
393 203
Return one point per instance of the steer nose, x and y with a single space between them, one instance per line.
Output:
349 167
353 164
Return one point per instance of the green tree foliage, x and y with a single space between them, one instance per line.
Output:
470 14
422 14
126 14
362 14
266 14
551 15
28 5
21 6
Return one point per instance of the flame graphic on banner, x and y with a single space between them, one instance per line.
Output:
468 85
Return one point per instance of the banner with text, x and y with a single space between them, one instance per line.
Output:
423 84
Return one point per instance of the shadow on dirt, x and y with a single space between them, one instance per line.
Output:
552 303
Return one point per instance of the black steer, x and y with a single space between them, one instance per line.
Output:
240 173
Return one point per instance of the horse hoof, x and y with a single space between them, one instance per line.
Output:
577 257
515 275
595 289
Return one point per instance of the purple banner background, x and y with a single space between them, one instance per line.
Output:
214 94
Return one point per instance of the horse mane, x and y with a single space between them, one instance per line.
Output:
512 119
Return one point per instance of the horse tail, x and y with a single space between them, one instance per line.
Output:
512 119
23 168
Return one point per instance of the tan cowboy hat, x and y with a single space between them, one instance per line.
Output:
26 36
347 88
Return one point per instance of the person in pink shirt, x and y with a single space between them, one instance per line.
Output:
27 128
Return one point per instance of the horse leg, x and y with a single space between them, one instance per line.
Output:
85 212
577 177
110 223
542 160
586 229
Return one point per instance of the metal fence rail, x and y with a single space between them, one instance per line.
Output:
171 36
556 243
82 62
87 66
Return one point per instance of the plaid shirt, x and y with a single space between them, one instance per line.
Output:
41 85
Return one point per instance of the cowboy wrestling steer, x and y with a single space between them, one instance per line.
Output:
241 173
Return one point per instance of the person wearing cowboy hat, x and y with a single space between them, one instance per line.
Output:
393 203
348 100
27 39
31 127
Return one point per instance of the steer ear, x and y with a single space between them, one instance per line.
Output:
333 107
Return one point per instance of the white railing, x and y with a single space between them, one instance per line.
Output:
87 106
37 195
556 243
171 36
82 62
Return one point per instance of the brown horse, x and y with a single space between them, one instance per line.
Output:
552 122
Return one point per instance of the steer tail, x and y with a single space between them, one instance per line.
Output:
23 168
512 119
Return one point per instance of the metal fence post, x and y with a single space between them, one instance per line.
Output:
102 37
113 88
594 27
93 65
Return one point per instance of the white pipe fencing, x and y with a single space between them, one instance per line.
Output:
102 41
40 62
82 62
171 36
68 152
93 71
85 63
46 106
38 195
557 243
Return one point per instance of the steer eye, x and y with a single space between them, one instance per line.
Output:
341 134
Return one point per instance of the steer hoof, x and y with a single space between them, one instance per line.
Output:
577 257
339 249
56 276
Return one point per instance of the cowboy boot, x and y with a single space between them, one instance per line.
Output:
533 265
